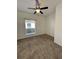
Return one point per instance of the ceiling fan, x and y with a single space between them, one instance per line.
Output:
38 9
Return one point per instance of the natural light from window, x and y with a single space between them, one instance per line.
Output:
30 27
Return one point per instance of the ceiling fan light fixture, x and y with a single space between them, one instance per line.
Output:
37 10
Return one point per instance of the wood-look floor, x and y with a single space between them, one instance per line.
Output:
38 47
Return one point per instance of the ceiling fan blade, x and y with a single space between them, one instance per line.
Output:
32 8
41 12
44 8
35 12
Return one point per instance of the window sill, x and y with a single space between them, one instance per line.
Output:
30 34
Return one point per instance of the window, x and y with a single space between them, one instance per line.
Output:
30 27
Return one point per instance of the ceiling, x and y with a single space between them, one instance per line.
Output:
23 5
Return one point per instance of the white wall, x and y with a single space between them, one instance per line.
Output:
54 24
58 25
40 24
50 22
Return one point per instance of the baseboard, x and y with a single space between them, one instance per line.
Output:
41 35
58 43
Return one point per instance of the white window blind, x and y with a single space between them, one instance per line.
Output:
30 27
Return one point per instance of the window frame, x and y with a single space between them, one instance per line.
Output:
26 28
